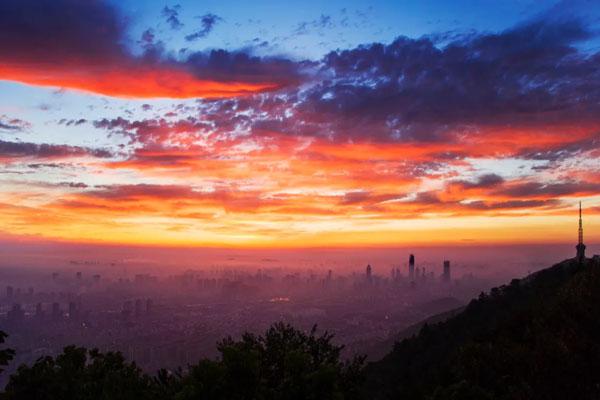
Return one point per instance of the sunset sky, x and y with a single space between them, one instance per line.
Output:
269 124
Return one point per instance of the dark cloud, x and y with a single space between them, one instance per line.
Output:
533 75
562 150
77 44
323 22
74 185
17 150
207 24
540 189
155 131
171 14
512 204
482 182
48 165
72 122
13 124
411 89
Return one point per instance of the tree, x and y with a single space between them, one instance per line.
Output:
5 354
79 374
284 363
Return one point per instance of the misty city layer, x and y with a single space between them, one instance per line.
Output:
173 320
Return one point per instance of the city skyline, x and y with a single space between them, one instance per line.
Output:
370 124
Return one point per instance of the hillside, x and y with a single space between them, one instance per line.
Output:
535 338
378 350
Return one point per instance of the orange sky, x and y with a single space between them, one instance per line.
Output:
491 137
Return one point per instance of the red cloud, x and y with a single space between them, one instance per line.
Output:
128 81
78 45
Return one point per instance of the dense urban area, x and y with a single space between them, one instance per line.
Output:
173 320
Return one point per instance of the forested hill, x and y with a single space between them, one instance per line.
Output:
535 338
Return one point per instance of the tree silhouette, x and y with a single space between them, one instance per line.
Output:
5 354
284 363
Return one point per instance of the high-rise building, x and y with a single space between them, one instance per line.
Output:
411 267
580 246
54 276
78 275
10 292
369 274
446 275
148 306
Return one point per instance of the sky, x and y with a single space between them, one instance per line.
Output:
271 124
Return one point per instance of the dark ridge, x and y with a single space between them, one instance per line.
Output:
535 338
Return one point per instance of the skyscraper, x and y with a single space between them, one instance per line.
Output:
369 273
411 267
580 246
446 275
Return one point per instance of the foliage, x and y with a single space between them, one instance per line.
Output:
284 363
537 338
79 374
5 354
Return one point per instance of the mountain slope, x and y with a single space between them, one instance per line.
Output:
536 338
378 350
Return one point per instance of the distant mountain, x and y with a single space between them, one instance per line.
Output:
535 338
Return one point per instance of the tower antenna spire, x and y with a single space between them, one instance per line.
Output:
580 226
580 246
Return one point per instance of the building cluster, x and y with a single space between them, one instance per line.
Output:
415 274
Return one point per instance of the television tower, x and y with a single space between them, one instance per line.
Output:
580 246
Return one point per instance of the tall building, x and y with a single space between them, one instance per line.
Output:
580 246
10 291
411 267
369 273
446 275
